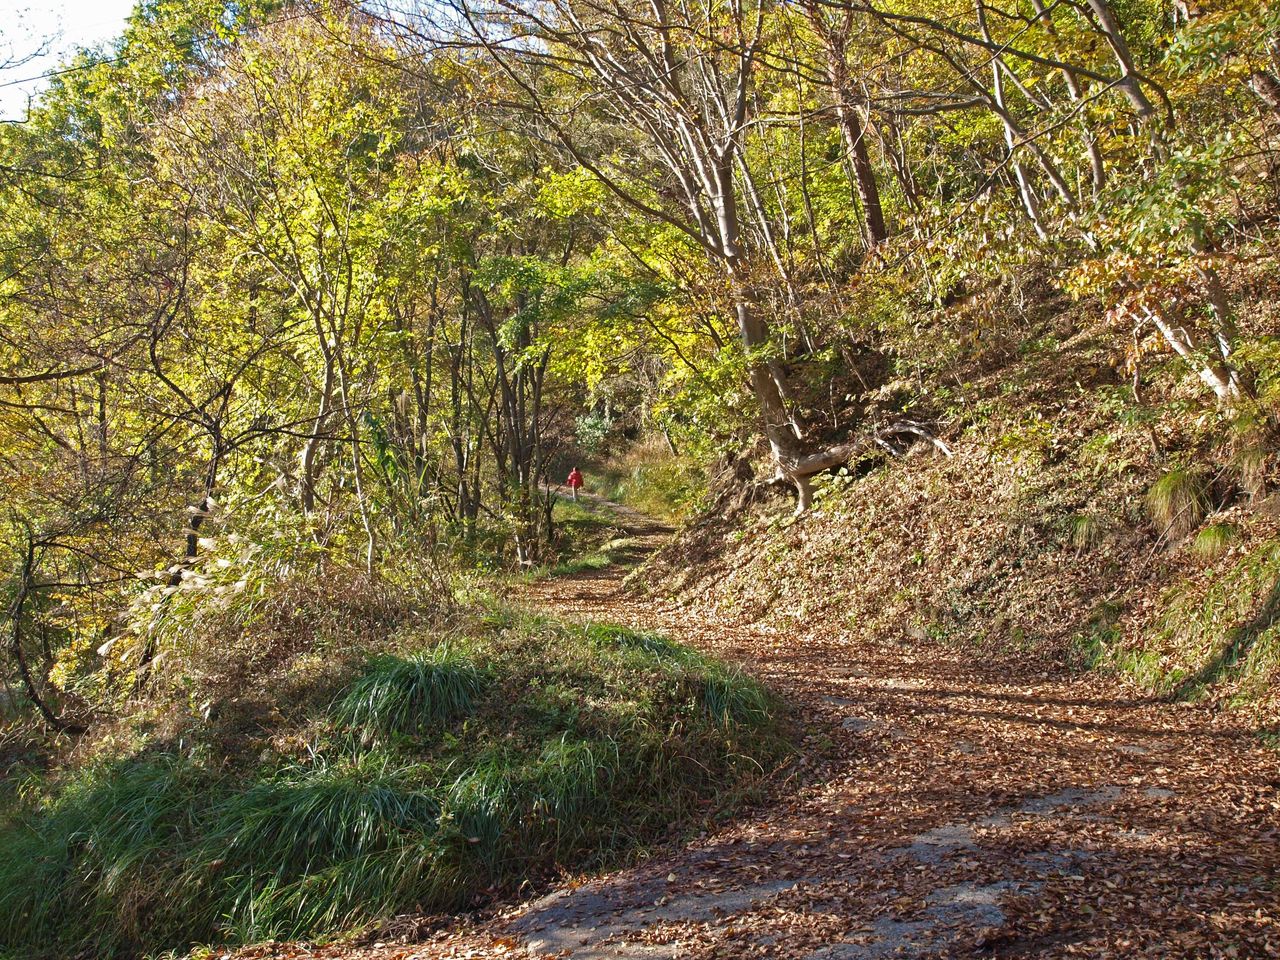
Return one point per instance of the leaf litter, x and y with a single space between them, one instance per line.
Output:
940 809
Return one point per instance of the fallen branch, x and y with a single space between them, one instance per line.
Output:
798 470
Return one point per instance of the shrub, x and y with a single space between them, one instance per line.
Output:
591 430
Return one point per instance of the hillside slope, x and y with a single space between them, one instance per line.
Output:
1088 516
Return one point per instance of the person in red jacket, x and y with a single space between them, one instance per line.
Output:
575 481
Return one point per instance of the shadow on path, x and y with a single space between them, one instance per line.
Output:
942 809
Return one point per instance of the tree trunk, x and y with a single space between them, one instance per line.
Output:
1218 375
1097 166
16 610
1129 83
308 461
864 174
852 128
1267 87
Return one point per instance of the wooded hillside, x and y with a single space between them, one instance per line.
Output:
945 320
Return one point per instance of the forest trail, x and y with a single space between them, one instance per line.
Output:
959 811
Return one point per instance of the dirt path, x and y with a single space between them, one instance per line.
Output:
961 812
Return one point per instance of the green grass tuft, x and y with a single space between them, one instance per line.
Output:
95 864
315 848
1215 540
1177 502
1086 531
411 695
732 698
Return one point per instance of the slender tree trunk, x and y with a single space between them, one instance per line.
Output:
776 421
852 128
1130 85
16 610
1266 83
308 461
1026 190
1097 166
1013 136
893 146
864 174
1218 375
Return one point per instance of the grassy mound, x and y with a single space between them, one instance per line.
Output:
443 772
1218 631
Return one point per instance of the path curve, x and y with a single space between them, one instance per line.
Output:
963 811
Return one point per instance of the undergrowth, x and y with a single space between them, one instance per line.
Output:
445 771
648 477
1219 631
588 537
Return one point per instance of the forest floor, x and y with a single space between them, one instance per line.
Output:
941 808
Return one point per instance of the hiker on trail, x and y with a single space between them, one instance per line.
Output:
575 481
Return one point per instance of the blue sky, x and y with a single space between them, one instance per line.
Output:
64 25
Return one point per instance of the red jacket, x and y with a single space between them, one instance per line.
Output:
575 479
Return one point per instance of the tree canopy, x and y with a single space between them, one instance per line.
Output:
330 281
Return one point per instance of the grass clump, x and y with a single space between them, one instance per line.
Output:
725 694
408 695
92 846
312 848
1177 502
1215 540
731 698
654 644
436 778
1086 531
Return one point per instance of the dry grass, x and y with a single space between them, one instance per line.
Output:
1178 502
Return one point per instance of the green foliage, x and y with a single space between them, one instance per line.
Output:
95 864
731 698
339 303
653 644
311 848
591 430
